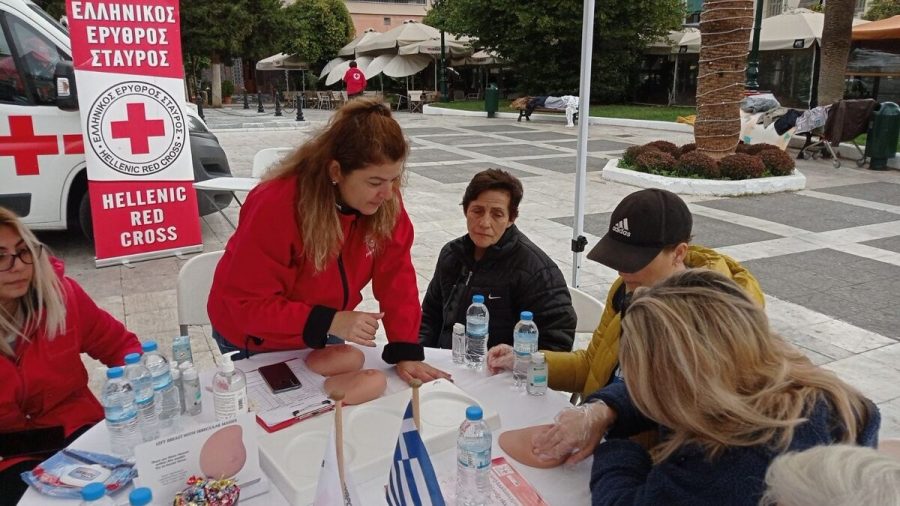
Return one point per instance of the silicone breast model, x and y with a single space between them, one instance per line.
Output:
517 444
358 386
335 359
223 455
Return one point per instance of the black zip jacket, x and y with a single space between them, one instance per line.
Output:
514 275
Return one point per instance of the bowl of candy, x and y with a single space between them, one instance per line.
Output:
208 492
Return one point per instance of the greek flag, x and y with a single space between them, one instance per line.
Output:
412 481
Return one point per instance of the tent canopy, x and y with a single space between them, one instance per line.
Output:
282 61
884 29
408 33
788 30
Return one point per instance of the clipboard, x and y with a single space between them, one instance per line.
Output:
277 411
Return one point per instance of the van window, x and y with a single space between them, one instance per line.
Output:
12 91
38 58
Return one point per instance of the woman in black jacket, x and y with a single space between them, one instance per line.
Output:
499 262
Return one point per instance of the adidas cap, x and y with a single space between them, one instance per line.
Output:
640 227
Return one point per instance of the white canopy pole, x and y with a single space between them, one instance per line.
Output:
584 113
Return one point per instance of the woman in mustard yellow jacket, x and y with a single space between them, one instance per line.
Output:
647 242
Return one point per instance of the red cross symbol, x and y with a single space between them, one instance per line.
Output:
138 129
25 147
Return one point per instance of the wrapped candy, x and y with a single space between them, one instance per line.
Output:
208 492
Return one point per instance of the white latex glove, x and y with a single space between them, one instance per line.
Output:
576 432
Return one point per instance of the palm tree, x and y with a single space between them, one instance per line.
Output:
725 33
836 33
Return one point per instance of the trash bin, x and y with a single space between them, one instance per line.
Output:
881 142
491 100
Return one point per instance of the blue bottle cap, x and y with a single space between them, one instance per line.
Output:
140 496
132 358
93 491
114 372
474 413
526 315
478 299
149 346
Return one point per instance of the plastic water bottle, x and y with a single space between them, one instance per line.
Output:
142 382
94 494
477 318
181 350
140 497
459 343
473 460
525 342
537 374
120 410
179 388
167 405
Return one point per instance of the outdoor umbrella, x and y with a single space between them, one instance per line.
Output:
330 65
282 61
678 41
884 29
432 47
337 73
377 65
406 65
350 49
407 33
795 29
483 57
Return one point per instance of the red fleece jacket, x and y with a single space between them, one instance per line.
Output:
265 296
46 383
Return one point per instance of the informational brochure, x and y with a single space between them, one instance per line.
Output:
276 411
226 449
510 488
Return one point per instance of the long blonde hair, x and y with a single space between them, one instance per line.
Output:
698 357
360 133
44 303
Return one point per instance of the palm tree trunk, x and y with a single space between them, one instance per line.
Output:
725 30
835 49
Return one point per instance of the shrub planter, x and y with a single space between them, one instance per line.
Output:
713 187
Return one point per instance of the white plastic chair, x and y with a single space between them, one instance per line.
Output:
262 160
192 289
588 310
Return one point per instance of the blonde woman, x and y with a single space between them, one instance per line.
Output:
836 475
46 322
322 225
727 395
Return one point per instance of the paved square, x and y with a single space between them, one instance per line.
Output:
540 136
565 164
431 155
596 145
462 140
414 131
502 126
463 173
885 193
888 243
512 150
808 213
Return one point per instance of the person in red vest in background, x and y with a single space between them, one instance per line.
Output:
355 80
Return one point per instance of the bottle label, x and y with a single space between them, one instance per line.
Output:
228 404
475 459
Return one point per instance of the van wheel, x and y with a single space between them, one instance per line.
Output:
84 216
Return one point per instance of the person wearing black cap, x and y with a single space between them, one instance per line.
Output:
647 241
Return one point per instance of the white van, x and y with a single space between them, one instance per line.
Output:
43 177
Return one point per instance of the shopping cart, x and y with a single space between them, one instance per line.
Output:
846 120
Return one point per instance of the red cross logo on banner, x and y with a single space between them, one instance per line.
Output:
25 147
138 129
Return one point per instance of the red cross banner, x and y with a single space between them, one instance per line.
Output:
127 57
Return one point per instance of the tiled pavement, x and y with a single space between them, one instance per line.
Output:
828 257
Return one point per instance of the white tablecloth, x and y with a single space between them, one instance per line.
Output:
560 486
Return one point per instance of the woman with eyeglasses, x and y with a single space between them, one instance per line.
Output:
46 322
323 224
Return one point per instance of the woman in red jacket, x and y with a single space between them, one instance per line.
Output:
324 223
46 322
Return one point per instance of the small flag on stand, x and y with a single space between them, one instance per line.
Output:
329 491
412 480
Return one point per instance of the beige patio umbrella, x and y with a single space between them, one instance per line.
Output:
483 57
377 64
330 65
795 29
677 41
282 61
406 65
407 33
350 49
432 47
337 73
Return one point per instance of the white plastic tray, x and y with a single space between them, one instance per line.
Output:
292 457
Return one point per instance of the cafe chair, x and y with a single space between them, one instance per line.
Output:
263 159
192 289
587 309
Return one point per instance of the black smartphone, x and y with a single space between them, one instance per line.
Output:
279 377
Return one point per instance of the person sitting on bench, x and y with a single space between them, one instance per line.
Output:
568 103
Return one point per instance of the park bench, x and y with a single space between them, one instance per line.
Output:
521 104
